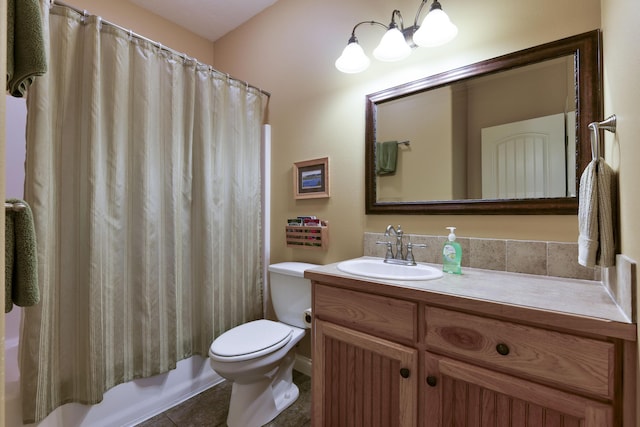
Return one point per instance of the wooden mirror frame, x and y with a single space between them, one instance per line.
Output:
586 49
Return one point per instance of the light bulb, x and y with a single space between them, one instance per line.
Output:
436 29
353 59
392 47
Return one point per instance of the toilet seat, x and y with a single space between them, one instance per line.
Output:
250 340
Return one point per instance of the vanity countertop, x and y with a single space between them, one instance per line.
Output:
576 304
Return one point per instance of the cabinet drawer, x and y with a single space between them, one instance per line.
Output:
389 318
577 363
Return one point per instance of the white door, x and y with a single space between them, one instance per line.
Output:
525 159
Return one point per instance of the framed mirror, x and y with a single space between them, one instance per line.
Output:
503 136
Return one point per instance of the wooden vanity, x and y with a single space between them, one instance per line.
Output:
482 349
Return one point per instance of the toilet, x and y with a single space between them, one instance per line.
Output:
258 356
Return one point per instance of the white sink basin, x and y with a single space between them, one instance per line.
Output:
376 268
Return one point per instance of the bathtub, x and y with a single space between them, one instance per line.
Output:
124 405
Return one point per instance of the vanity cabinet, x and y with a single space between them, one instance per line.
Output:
360 378
366 380
579 364
395 356
527 375
463 394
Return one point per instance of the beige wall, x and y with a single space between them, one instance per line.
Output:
429 153
317 111
622 94
147 24
622 91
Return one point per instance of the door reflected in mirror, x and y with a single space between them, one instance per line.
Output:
504 136
507 135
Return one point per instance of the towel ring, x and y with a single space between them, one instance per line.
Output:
18 206
610 124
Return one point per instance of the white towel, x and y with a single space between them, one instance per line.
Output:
606 203
595 215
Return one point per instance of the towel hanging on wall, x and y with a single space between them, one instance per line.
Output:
21 258
26 57
595 217
595 208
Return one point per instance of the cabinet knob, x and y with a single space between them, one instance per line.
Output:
432 381
404 373
503 349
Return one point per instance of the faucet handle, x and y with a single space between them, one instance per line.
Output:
389 254
410 247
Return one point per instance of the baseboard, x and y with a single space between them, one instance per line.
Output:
303 365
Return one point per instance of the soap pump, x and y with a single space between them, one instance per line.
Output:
451 254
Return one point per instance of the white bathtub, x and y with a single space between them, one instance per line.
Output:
124 405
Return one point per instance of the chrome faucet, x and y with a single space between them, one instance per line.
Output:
398 233
399 257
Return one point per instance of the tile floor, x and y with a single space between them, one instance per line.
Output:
209 409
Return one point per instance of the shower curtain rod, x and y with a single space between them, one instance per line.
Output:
159 45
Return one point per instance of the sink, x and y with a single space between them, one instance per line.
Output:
376 268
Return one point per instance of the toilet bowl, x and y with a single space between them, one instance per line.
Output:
258 356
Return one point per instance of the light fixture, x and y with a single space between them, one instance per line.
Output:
436 29
393 46
353 58
396 44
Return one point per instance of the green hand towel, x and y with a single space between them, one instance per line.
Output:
386 157
9 249
26 58
21 258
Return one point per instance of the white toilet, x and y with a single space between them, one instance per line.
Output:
258 356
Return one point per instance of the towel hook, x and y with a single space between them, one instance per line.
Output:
609 124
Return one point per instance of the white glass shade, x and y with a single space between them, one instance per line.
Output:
392 47
353 59
436 29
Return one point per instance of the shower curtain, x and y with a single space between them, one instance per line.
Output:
143 174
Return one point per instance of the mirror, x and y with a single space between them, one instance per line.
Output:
460 141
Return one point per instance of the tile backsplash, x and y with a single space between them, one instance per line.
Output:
517 256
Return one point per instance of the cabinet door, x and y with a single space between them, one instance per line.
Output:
362 380
460 394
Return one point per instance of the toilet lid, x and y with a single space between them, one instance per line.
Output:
251 337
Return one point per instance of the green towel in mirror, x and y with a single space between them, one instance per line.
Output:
386 157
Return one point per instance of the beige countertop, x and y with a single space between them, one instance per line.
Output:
582 304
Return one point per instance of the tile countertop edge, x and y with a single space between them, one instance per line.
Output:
573 303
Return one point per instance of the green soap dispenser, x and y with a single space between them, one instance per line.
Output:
451 254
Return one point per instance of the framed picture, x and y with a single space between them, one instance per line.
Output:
311 179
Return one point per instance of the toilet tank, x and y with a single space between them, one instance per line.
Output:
290 291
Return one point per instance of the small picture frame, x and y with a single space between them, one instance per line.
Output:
311 179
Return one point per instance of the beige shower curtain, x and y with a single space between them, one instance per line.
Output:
143 174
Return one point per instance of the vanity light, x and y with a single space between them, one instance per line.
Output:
396 44
353 58
436 29
393 46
